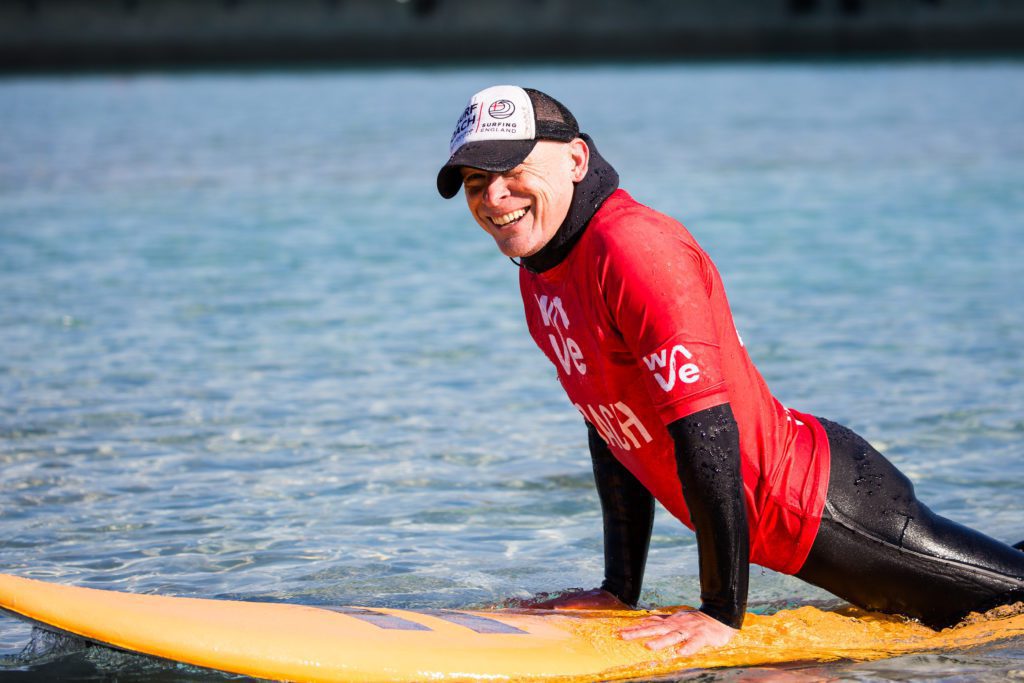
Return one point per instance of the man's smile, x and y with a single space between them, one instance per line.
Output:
509 218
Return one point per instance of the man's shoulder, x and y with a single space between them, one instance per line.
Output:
623 224
621 203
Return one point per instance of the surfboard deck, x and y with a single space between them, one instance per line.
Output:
304 643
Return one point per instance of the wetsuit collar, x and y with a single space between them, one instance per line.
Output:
587 196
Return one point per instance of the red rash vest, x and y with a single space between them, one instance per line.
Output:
637 324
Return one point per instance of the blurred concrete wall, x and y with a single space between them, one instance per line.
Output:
98 33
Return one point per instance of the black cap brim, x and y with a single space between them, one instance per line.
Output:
496 156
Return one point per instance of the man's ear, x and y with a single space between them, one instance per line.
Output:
580 155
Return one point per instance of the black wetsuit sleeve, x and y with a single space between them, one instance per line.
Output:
708 458
628 511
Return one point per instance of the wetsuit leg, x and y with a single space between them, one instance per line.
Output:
881 549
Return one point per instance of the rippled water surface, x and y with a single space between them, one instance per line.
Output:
246 350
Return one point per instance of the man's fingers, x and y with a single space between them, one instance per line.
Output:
665 636
651 626
644 631
689 631
667 640
691 646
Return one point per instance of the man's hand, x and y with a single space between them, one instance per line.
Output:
695 630
595 598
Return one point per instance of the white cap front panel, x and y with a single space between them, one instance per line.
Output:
501 112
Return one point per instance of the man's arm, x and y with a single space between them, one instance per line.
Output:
708 458
628 511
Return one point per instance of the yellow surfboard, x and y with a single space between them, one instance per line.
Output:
301 643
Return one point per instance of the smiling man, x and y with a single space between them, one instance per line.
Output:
633 314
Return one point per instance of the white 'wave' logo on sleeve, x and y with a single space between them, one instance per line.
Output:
688 373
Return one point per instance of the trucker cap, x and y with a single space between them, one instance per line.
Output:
499 128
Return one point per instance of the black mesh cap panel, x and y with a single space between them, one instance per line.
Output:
554 121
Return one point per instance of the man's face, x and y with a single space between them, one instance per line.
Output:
523 208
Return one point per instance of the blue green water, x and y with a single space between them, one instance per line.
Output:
246 351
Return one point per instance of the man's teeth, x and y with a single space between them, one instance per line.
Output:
509 217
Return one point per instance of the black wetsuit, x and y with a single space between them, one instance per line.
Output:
878 547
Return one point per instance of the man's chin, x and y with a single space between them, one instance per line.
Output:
519 253
513 250
518 247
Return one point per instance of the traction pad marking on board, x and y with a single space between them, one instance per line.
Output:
473 622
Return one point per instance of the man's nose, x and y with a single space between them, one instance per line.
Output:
496 190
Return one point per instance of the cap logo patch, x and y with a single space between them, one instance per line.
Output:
501 109
467 122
